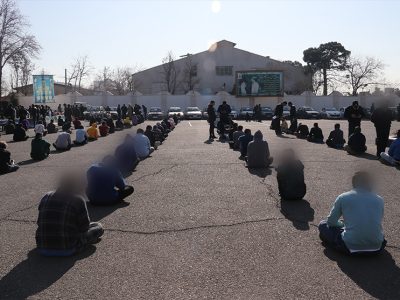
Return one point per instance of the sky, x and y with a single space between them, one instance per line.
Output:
139 33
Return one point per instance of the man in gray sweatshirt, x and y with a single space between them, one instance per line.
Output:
258 155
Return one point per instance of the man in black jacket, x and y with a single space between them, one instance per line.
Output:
357 141
382 119
278 115
211 119
354 114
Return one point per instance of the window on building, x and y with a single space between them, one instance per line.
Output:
224 70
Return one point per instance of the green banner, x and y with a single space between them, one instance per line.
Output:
259 84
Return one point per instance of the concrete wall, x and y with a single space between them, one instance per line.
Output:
164 100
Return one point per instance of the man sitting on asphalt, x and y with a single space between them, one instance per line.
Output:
360 231
104 129
51 127
76 123
64 227
393 156
290 176
149 133
20 134
63 141
119 125
110 124
335 139
7 165
40 149
142 144
357 141
244 141
236 135
316 135
125 156
302 131
93 132
81 137
106 186
39 128
9 127
258 155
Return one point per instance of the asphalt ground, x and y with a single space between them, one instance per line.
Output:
200 225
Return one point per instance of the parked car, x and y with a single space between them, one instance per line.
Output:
244 111
267 113
330 113
97 112
193 113
155 113
113 112
176 110
306 112
234 113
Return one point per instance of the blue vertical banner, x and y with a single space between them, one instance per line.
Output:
43 89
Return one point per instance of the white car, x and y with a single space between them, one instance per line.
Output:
175 110
330 113
193 113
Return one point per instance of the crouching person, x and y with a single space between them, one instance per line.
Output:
7 165
106 186
64 227
290 176
361 230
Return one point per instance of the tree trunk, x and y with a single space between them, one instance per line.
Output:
325 82
1 83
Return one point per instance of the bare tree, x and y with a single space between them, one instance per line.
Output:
14 41
170 72
190 79
362 72
104 80
21 73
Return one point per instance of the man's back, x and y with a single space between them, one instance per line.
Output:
394 150
257 154
62 218
81 135
142 145
357 142
63 140
102 181
362 212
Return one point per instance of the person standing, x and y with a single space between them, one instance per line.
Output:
278 115
382 119
119 112
144 111
211 119
224 110
398 112
293 117
354 114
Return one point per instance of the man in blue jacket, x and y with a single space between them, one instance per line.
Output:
360 231
393 156
106 186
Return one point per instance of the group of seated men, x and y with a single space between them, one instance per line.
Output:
255 150
360 233
356 144
65 211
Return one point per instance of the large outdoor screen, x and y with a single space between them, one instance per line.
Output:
259 84
43 88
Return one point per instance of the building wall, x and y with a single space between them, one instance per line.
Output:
164 100
151 81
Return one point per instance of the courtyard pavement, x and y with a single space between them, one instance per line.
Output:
200 225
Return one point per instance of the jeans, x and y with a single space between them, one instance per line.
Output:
332 236
390 160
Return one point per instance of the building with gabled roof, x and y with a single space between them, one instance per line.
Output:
214 70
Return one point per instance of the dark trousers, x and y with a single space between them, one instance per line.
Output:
382 137
352 126
332 236
212 127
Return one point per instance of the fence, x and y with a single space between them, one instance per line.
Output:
165 100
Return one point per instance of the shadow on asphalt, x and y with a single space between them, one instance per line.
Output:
98 213
377 275
27 162
299 212
36 273
260 172
209 142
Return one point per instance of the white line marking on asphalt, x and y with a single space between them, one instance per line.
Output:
190 124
